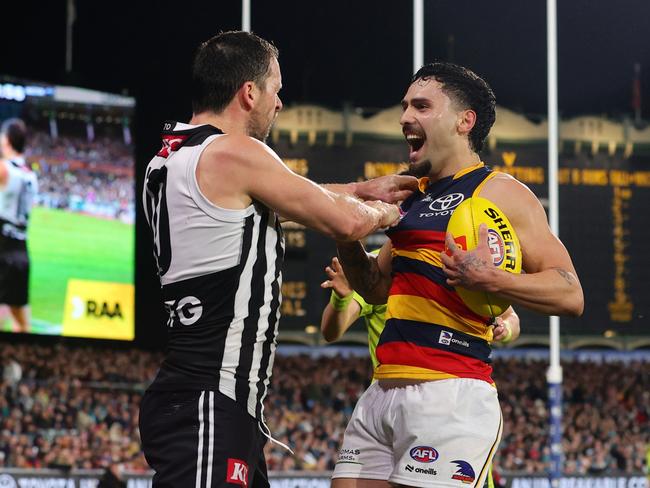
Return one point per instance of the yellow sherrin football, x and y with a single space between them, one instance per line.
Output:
502 241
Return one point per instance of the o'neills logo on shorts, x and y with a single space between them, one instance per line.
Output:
237 472
412 469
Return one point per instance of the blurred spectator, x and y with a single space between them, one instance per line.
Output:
12 373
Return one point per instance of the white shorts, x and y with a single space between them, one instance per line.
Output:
434 433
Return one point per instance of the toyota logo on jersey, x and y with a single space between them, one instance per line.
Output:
447 202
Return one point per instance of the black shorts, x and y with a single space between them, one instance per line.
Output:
14 277
201 439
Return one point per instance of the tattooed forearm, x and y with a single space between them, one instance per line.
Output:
362 273
565 274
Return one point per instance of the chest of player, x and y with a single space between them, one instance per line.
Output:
432 208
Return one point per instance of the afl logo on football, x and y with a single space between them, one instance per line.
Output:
447 202
497 248
424 454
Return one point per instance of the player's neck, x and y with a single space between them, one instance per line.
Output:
9 153
455 162
228 122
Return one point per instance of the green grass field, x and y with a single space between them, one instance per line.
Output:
65 245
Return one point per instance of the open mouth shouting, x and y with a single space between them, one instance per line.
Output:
415 139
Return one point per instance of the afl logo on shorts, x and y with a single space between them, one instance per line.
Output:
424 454
447 202
497 248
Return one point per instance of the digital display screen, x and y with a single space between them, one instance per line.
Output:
69 196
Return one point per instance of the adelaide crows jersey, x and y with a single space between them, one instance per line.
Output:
430 333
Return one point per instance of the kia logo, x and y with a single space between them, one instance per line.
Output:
447 202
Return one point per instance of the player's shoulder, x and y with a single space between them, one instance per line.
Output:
505 187
512 196
237 149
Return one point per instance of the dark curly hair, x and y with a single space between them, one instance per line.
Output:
224 63
468 90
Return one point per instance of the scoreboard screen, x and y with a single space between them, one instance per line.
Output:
80 231
604 197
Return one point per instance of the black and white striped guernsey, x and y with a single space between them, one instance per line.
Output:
220 271
16 200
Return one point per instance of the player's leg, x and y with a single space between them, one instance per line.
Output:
17 295
446 433
171 441
365 458
21 316
260 475
233 445
201 439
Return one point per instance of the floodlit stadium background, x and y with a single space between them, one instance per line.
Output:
345 66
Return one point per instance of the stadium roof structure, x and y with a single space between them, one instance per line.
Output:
511 127
19 90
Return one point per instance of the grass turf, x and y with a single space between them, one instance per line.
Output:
65 245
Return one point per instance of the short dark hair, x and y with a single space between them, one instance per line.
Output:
224 63
468 90
16 132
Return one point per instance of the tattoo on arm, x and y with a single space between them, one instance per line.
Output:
565 274
470 261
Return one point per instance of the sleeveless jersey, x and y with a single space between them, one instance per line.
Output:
16 199
430 333
220 275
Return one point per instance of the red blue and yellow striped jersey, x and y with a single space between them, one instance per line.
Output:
430 333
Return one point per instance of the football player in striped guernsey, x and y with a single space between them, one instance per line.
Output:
18 188
433 417
212 197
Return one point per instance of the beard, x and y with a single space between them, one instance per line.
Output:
419 170
259 127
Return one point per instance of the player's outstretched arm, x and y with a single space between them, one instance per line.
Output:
243 168
368 275
550 283
389 188
342 309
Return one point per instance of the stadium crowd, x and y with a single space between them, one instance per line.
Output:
78 406
71 407
99 151
93 177
83 191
